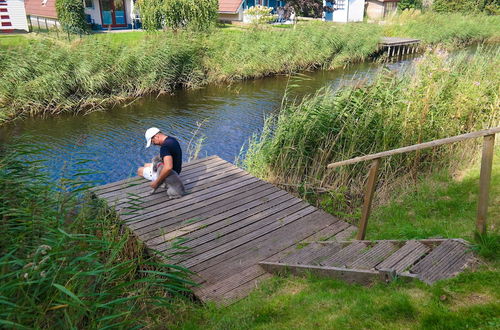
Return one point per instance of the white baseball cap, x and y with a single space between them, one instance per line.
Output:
150 132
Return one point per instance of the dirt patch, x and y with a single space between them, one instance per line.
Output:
471 299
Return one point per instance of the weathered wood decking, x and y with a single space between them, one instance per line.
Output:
229 222
395 46
365 261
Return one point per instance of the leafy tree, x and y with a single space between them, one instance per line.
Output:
409 4
199 15
491 7
71 15
307 8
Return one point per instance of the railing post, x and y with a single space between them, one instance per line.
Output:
484 182
369 192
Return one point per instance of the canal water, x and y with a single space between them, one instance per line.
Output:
225 115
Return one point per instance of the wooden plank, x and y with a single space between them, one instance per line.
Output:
247 237
151 202
447 265
158 205
301 253
123 183
241 291
419 146
374 256
346 255
484 182
333 229
364 277
228 234
217 212
144 186
367 204
405 257
252 205
321 255
224 231
156 226
216 290
264 247
434 257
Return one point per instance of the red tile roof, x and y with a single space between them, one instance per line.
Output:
35 7
229 6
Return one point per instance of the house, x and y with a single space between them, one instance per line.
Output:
232 10
379 9
101 14
12 16
344 11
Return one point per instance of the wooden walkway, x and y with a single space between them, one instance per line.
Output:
395 46
229 222
365 261
236 230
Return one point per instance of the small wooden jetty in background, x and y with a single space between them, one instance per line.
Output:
394 46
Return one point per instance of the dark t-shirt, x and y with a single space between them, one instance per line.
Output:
171 147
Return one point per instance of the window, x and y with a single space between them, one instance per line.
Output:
89 3
338 4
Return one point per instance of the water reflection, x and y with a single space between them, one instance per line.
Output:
114 139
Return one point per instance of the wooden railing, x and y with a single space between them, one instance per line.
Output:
484 179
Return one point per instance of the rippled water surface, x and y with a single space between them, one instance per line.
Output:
114 140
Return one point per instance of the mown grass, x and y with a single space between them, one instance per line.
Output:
47 75
66 261
470 300
441 97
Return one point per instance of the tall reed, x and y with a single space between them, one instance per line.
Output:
67 262
48 76
441 97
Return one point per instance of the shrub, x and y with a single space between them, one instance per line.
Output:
71 16
199 15
491 7
258 15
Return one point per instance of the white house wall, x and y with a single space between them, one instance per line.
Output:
16 16
94 12
354 8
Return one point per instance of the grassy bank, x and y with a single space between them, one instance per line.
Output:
47 76
67 263
442 97
439 205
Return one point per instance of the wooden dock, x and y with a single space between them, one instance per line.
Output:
229 221
394 46
237 229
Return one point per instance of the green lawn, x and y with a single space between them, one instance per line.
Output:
438 206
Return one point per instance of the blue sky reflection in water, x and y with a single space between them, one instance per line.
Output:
114 139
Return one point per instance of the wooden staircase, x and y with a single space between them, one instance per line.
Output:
367 261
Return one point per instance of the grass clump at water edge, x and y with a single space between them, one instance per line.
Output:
442 97
69 263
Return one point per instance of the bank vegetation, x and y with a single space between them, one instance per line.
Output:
48 76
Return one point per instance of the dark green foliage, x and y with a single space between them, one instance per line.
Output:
491 7
71 16
66 262
410 4
199 15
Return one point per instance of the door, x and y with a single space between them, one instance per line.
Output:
113 13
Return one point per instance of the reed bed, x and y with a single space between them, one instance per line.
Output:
443 96
67 263
48 76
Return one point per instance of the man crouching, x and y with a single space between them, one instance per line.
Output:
171 166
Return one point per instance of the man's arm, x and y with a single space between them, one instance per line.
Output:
168 164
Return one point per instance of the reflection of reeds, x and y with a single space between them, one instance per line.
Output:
442 97
47 76
66 261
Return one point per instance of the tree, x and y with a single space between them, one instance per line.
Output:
199 15
410 4
71 15
307 8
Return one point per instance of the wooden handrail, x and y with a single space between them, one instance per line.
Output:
419 146
484 177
